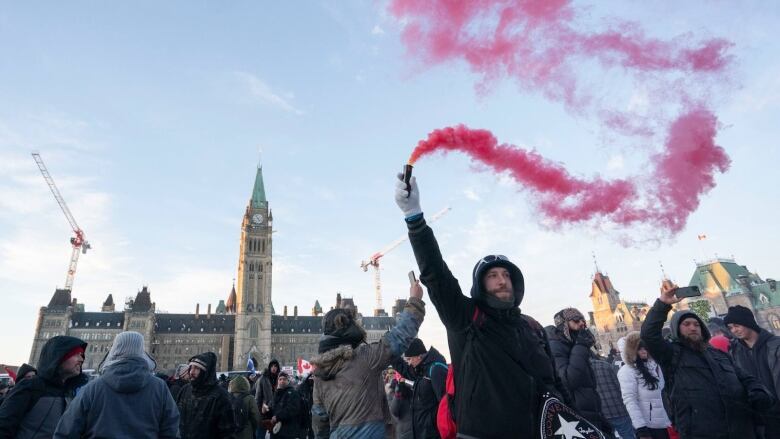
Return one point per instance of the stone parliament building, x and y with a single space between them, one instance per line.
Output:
242 326
722 281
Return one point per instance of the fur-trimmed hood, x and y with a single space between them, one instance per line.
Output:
329 363
630 348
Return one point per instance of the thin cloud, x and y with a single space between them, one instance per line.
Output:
260 90
471 194
377 30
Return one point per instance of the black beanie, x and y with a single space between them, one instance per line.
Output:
416 348
741 315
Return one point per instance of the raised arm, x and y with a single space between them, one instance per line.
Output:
454 309
396 340
660 349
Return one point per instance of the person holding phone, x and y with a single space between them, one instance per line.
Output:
706 394
348 400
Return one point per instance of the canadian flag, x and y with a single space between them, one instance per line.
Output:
304 367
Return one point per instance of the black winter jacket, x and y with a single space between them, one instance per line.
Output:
707 391
496 396
288 409
573 363
430 379
306 390
34 406
762 361
768 346
205 408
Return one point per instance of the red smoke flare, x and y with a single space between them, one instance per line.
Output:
679 175
545 46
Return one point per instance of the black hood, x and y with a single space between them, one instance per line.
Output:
483 265
433 356
52 353
209 377
23 370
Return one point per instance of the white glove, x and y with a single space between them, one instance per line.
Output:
408 203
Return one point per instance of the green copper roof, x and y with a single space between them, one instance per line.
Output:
258 193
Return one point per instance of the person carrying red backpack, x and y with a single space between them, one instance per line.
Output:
500 358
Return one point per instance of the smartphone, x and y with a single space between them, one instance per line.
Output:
684 292
412 278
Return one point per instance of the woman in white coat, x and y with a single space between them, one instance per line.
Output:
641 382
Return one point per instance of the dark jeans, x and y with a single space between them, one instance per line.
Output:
658 433
623 427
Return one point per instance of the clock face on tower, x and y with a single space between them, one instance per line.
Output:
257 218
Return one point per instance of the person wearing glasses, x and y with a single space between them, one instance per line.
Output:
571 342
500 359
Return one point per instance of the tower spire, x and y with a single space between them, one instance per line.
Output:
258 200
595 262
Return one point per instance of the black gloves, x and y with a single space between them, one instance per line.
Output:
760 401
585 338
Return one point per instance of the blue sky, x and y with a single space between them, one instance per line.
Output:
151 117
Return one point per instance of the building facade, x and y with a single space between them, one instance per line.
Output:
612 318
724 283
242 327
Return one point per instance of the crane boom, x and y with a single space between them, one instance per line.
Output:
55 192
373 261
79 241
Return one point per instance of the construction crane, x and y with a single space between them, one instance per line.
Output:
373 261
79 241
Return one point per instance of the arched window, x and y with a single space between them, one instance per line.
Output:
264 246
251 266
253 329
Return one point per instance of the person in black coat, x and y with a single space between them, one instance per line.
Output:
570 344
205 407
287 409
710 396
496 350
306 390
35 405
428 370
757 352
25 371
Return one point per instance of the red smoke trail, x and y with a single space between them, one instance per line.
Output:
542 45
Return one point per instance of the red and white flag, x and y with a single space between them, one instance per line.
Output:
702 237
304 367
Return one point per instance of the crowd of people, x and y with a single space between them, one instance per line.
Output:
508 376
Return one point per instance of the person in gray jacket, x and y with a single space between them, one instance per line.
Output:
126 401
348 399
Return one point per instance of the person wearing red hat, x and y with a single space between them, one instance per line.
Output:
36 404
720 342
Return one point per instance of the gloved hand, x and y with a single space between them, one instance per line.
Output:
585 338
410 205
760 401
